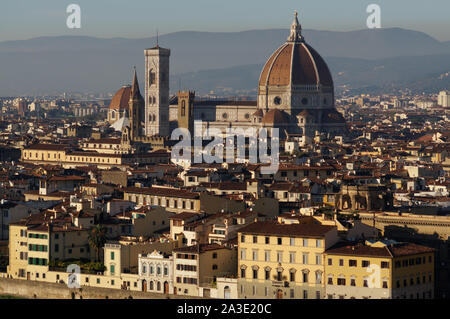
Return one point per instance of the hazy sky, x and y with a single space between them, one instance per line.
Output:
24 19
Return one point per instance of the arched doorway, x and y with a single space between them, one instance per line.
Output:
279 294
144 285
226 292
166 287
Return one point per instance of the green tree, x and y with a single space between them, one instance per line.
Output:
97 238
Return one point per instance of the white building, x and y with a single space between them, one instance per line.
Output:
444 98
156 272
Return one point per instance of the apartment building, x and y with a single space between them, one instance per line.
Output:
379 270
173 199
278 260
197 267
34 243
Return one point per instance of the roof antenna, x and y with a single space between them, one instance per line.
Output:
157 40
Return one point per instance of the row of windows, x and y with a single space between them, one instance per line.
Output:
151 269
37 261
279 275
186 256
341 281
187 280
275 293
354 263
32 247
305 259
413 261
414 281
186 267
161 202
91 159
279 241
41 236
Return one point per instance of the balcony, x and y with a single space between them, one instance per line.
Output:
277 283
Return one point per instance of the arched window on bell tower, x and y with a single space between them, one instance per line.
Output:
183 108
151 77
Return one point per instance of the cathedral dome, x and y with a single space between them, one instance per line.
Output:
121 99
275 117
295 63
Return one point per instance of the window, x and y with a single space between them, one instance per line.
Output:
341 281
112 255
352 282
266 255
341 262
305 258
292 257
242 254
292 241
214 255
330 262
305 294
242 273
292 276
242 239
385 284
214 267
318 243
318 259
330 280
112 269
279 241
255 239
384 264
267 274
255 273
291 293
365 263
267 240
318 277
255 254
365 283
305 242
279 256
317 294
352 263
305 276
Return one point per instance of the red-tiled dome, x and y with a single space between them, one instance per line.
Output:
295 63
121 99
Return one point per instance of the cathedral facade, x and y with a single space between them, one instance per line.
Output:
295 95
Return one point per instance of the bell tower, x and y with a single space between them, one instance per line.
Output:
186 110
157 91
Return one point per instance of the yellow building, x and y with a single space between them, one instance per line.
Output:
63 155
173 199
379 270
34 243
280 260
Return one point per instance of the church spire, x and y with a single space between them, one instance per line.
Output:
296 30
135 86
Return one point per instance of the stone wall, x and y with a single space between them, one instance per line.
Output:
45 290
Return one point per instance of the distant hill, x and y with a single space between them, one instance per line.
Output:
429 73
78 63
